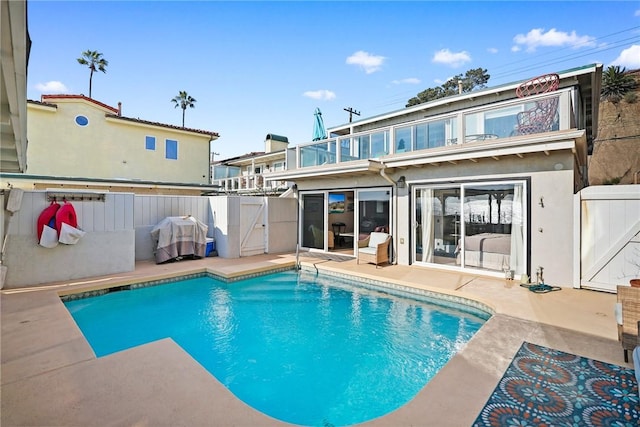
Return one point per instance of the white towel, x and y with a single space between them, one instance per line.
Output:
49 238
70 235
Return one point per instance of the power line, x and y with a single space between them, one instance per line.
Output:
400 97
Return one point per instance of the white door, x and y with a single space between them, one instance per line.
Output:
253 230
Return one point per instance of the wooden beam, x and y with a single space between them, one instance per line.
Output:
474 160
495 158
546 152
453 162
520 155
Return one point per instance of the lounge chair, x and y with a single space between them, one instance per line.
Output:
374 248
318 237
627 315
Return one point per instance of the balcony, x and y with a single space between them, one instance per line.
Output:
233 180
516 118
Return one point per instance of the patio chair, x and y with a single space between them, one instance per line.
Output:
627 315
374 248
542 116
318 237
538 119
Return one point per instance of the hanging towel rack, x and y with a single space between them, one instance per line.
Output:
81 196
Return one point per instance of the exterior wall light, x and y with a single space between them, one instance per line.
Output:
401 182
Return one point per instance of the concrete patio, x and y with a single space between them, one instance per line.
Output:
50 375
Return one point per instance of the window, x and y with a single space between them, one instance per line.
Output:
472 225
82 121
150 143
171 149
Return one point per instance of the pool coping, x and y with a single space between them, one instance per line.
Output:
450 300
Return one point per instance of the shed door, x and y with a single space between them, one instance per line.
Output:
253 219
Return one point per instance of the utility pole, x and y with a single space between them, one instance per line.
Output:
351 112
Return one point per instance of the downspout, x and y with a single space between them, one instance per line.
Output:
384 175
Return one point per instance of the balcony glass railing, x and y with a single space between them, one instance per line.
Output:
522 116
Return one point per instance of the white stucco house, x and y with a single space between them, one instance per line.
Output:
480 182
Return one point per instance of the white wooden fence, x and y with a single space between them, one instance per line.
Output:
117 227
608 236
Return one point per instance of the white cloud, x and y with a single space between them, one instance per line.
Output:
515 49
410 80
629 58
492 50
370 63
322 94
637 13
445 56
52 87
538 38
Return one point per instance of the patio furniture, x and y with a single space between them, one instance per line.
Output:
539 118
318 237
627 315
542 116
374 248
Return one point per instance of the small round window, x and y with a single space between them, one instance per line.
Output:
82 121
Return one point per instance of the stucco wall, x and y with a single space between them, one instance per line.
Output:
109 148
551 178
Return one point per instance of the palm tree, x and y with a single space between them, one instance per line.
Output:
94 60
616 83
183 100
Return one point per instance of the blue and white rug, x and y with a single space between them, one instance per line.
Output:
546 387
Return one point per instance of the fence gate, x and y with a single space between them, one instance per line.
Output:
253 230
609 236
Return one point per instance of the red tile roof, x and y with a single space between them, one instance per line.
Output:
86 98
130 119
49 100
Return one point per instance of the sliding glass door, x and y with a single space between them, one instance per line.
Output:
475 225
335 220
312 220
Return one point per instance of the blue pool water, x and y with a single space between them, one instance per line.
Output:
306 349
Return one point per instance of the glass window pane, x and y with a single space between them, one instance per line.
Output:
171 149
437 232
313 221
150 143
402 138
436 134
493 219
421 137
373 211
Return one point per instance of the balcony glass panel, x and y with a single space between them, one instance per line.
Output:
318 154
526 117
364 147
380 144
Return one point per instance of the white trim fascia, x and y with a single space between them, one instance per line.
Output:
591 68
486 150
498 148
260 158
360 166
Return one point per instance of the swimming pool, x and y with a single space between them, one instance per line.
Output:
303 348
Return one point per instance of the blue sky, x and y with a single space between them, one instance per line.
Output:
263 67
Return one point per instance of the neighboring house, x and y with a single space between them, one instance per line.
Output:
79 138
466 183
246 174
